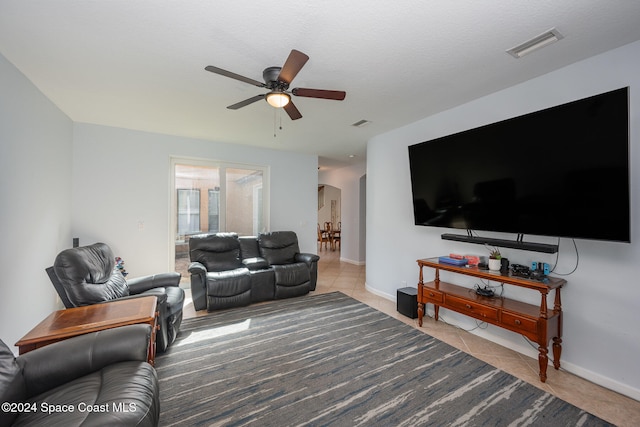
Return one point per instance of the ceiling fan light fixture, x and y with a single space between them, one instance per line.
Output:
278 99
277 80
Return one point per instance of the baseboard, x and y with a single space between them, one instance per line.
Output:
380 294
603 381
350 261
576 370
529 351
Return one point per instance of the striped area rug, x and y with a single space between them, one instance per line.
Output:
329 360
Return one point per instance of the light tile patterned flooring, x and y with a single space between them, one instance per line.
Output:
334 275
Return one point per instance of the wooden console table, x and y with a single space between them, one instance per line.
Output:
538 323
63 324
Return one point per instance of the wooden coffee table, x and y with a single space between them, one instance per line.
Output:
63 324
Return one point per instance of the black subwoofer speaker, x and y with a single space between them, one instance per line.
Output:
407 302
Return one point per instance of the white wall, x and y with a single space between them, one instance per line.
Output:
347 179
35 189
121 179
601 336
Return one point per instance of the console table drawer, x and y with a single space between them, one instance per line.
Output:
471 308
519 322
432 296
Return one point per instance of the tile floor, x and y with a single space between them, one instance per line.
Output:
334 275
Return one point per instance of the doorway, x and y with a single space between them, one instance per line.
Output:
330 209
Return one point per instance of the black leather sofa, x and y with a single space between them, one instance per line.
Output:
231 271
98 379
88 275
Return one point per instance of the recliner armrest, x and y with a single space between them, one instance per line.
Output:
256 263
197 268
307 258
144 283
159 293
61 362
198 285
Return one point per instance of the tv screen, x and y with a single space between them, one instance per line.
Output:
562 171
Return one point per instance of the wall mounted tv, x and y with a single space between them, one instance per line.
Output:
562 171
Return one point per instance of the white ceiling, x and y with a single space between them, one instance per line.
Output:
140 64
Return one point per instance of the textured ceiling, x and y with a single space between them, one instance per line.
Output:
140 64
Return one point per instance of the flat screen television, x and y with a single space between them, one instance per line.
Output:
562 171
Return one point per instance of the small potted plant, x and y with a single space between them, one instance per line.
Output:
495 257
120 266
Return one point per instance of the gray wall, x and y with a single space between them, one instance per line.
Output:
600 301
122 177
35 189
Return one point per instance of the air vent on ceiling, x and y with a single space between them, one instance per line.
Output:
361 123
538 42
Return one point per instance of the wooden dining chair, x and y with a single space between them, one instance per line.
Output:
323 237
335 237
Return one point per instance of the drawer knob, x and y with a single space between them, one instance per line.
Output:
468 306
518 322
431 294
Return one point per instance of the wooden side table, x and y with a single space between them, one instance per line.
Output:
63 324
539 323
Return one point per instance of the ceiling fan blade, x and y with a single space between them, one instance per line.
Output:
292 66
235 76
292 111
246 102
338 95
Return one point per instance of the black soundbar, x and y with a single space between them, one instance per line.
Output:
503 243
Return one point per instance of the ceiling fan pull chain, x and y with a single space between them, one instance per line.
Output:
275 121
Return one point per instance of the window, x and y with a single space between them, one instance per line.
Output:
244 201
210 197
214 210
188 211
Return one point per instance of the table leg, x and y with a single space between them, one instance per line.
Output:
557 341
557 351
543 361
155 328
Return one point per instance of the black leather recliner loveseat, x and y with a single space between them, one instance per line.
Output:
98 379
231 271
88 275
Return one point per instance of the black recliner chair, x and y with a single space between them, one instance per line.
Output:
88 275
97 379
219 279
295 273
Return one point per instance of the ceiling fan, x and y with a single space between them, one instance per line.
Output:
277 80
